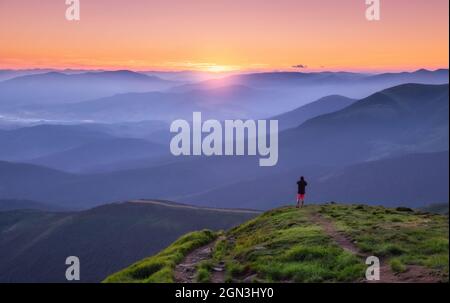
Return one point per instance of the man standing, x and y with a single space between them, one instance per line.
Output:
301 184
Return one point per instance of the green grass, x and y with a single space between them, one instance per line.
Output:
401 238
287 245
203 274
160 268
397 266
284 245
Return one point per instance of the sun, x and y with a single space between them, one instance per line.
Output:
215 68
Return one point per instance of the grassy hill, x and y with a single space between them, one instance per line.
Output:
318 243
34 243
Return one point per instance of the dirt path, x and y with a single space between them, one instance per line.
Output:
185 272
413 274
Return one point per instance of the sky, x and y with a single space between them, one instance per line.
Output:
225 35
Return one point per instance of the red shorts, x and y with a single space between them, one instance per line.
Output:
301 196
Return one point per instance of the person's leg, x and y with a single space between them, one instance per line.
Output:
298 201
303 200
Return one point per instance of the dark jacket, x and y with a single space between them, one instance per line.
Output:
302 186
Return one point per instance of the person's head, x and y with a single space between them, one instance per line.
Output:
302 178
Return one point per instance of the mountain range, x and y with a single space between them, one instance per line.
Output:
56 87
407 119
129 96
413 180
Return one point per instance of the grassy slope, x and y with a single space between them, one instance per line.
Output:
404 238
159 268
286 245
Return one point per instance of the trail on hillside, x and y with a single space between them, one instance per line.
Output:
413 274
185 272
184 206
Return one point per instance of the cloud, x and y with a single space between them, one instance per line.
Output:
300 66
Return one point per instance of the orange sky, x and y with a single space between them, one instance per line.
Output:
221 35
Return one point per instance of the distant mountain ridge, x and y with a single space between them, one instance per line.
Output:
104 152
40 140
322 106
120 96
293 79
408 119
404 119
60 88
13 204
413 180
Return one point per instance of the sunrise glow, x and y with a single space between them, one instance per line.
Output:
223 35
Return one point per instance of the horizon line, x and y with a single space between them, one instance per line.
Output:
237 71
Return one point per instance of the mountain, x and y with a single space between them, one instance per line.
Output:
8 205
187 76
227 102
312 86
439 76
7 74
30 182
311 110
407 119
37 141
323 243
56 87
410 118
126 96
75 191
401 120
387 182
146 129
412 180
35 244
103 153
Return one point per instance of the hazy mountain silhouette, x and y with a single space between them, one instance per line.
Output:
32 182
322 106
106 97
7 74
37 141
410 118
60 88
413 180
146 129
229 102
13 204
439 76
401 120
101 153
312 86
